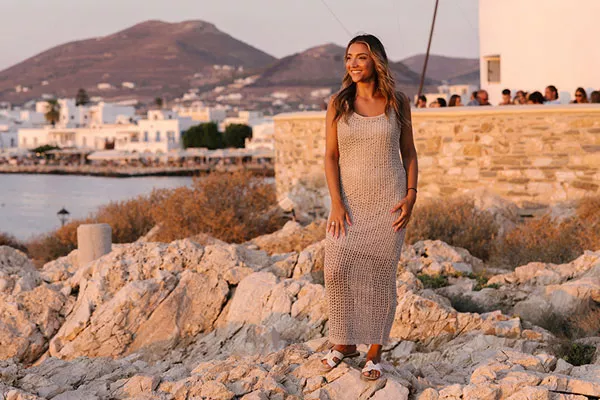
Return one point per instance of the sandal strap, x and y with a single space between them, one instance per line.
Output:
371 366
329 357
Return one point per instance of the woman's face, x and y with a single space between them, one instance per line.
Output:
578 97
359 64
458 102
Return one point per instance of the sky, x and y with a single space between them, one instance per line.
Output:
278 27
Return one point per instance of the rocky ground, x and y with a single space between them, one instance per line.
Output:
186 320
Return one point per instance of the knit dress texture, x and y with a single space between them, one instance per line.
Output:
360 267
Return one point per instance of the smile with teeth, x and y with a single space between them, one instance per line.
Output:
355 71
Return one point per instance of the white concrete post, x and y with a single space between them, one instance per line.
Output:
93 241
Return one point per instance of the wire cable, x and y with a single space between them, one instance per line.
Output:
336 17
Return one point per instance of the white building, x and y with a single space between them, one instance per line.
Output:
199 112
13 120
528 45
250 118
160 132
263 136
72 116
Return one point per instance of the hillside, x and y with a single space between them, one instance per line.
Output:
442 68
156 56
320 66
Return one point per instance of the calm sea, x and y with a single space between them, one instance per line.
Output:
29 203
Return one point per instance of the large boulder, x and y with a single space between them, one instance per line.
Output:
292 237
17 272
142 295
31 311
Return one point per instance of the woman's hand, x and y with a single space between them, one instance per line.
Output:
335 223
405 205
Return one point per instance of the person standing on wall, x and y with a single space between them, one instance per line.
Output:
371 170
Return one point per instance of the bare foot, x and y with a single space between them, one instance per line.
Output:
374 355
345 349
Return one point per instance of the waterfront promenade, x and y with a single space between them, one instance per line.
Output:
133 171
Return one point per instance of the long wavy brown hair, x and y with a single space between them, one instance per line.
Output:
385 84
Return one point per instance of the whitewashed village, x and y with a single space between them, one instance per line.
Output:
101 133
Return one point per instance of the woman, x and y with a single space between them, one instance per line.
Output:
580 96
521 97
455 101
373 191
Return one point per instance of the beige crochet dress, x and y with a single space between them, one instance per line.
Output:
360 268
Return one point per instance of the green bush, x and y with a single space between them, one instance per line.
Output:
203 135
433 282
575 353
235 135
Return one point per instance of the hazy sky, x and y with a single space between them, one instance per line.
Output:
278 27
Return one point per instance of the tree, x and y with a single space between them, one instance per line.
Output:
82 98
203 135
159 102
52 111
235 135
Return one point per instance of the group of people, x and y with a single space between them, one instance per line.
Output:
480 98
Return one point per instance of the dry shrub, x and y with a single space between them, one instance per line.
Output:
541 239
130 219
11 241
233 207
455 221
50 246
588 219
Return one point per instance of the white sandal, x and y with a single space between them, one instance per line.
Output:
331 357
371 366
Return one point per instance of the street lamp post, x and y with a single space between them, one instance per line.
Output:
63 215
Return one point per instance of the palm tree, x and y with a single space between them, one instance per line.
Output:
53 111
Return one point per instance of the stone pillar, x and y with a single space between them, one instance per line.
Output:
93 241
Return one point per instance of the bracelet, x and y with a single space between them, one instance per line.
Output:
412 189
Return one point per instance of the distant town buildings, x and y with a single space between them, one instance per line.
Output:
197 111
105 126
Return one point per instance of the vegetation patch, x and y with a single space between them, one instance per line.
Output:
433 282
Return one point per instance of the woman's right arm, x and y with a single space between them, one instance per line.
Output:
338 213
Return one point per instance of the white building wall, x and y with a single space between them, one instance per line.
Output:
9 139
540 43
263 136
32 138
109 113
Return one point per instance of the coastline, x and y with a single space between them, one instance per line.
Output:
128 172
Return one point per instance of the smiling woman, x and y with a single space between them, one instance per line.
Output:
373 191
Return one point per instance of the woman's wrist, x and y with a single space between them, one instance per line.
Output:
411 194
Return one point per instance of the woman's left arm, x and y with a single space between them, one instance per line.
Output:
409 160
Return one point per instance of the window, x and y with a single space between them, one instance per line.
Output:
84 141
171 136
145 136
493 69
35 142
24 141
157 136
12 142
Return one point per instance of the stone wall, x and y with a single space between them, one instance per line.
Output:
528 154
